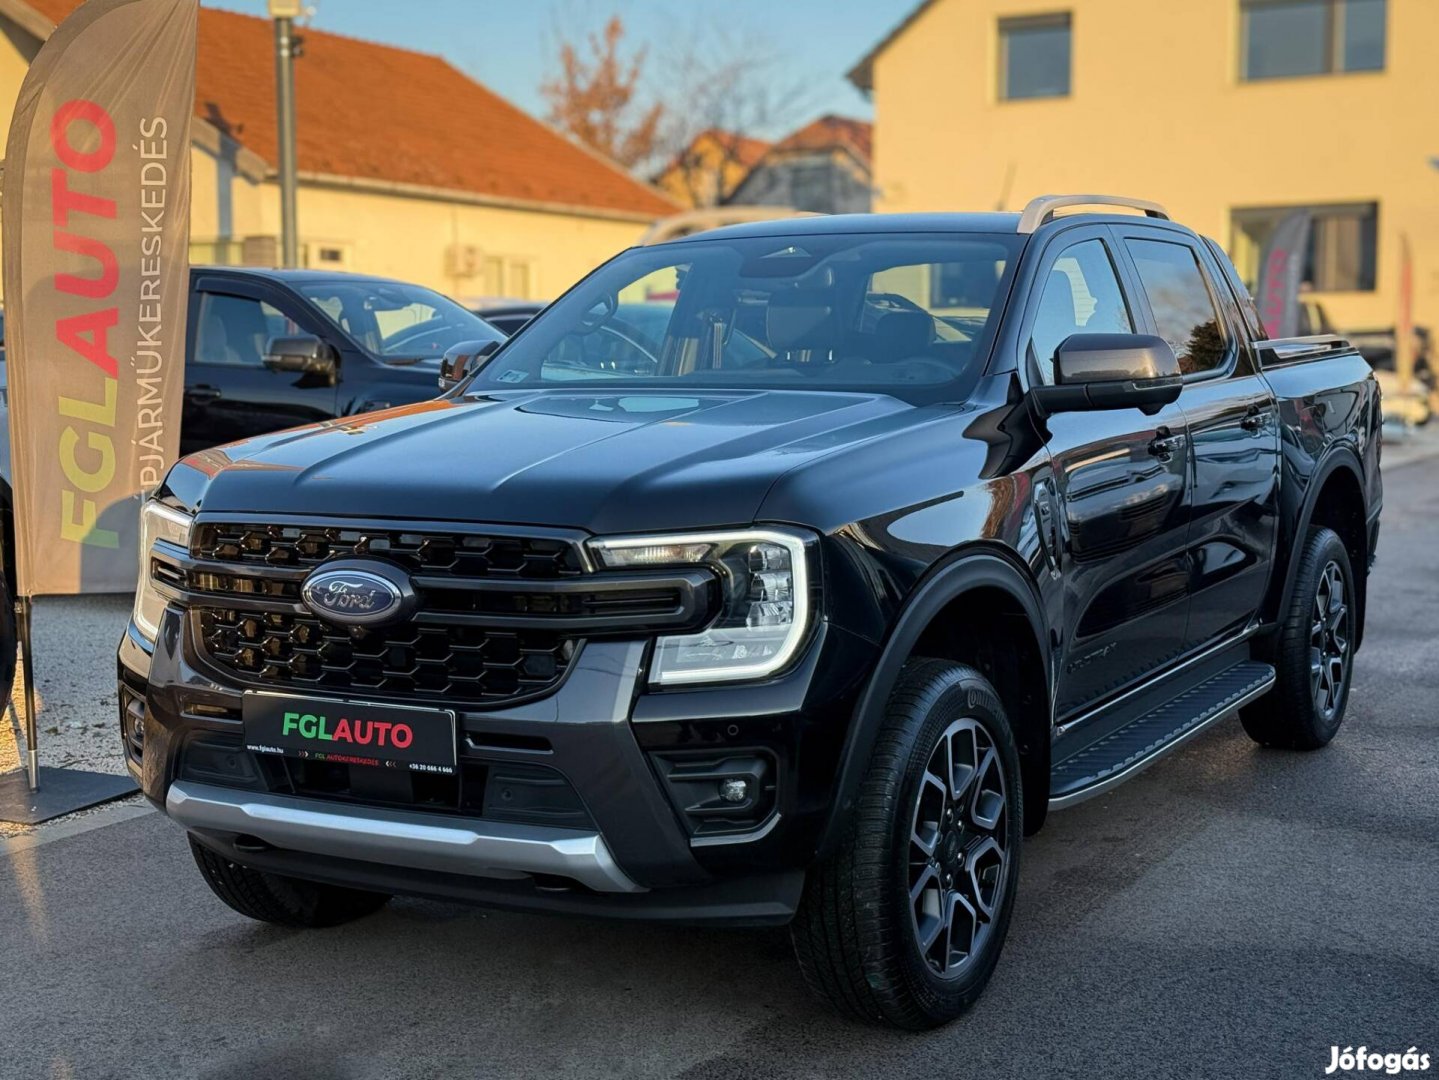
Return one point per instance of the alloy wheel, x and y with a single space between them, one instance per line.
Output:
1329 641
957 854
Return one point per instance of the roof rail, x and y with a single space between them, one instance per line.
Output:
1276 351
1042 209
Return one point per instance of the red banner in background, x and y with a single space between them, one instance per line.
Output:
1281 272
96 264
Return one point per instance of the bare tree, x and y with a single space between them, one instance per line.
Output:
727 84
594 97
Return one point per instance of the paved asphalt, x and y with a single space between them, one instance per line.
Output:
1231 912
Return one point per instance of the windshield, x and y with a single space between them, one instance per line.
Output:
859 311
394 321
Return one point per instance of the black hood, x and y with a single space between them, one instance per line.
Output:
609 462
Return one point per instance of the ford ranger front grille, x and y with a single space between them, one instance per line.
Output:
449 663
498 617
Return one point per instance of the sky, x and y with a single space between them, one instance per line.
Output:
509 45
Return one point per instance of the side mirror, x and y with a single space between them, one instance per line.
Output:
1111 371
463 360
304 354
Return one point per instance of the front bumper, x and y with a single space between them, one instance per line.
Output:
636 855
398 838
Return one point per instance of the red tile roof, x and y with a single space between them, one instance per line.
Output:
830 130
375 112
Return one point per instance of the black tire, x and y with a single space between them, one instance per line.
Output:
285 901
1311 690
858 932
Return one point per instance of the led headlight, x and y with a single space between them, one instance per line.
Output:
157 522
764 578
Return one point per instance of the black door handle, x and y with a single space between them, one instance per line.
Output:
202 395
1256 419
1164 444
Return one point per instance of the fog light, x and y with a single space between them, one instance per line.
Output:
734 790
719 792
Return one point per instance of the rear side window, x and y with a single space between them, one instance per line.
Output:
1183 307
1081 296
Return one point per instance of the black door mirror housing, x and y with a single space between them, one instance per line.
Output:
304 354
463 360
1111 371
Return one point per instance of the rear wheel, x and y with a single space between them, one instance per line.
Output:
904 924
1315 652
274 898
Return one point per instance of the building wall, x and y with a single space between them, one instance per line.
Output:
1157 110
17 49
463 249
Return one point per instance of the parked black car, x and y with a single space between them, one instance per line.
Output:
906 531
271 349
509 315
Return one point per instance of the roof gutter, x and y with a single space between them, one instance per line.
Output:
470 198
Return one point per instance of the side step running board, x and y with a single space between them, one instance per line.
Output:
1122 753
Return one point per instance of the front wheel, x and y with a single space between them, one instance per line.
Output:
274 898
1315 652
903 925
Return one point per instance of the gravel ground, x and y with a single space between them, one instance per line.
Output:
75 640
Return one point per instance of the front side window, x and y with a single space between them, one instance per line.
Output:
1287 38
235 330
1034 57
394 321
1081 296
1343 244
1182 305
893 313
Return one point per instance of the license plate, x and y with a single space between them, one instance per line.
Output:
350 732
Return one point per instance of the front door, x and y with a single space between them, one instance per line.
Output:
1233 432
1121 481
229 392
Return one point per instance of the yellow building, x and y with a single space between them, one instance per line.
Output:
407 167
706 172
1230 112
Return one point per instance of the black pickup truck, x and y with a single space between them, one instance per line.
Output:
905 531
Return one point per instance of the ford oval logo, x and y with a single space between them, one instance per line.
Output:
359 593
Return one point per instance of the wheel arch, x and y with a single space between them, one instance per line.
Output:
996 583
1336 499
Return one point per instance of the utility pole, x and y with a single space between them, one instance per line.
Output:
284 12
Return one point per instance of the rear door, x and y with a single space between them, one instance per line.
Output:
229 393
1233 430
1121 485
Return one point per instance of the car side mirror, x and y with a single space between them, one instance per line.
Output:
1111 371
463 360
304 354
